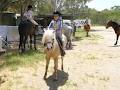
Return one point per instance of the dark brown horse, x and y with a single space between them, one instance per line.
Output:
26 28
87 28
116 28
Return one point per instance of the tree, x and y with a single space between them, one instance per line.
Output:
115 8
4 4
44 7
75 7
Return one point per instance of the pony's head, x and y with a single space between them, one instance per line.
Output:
109 24
48 38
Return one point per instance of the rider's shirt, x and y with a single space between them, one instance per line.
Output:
28 14
56 25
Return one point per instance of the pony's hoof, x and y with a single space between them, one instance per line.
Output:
115 44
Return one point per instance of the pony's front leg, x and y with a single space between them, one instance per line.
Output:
55 68
47 64
116 40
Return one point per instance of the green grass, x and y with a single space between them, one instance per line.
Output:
81 34
14 59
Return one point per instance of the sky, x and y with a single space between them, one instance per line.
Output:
103 4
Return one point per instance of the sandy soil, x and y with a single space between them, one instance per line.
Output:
90 65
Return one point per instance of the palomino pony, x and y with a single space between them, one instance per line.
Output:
52 50
87 28
116 28
26 28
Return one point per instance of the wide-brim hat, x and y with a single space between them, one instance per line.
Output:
57 13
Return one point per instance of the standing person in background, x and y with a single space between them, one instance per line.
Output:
56 24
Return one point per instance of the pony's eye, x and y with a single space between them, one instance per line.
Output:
52 39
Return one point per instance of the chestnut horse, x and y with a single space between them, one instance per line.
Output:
86 28
116 28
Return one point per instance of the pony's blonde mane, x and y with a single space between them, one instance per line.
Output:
47 35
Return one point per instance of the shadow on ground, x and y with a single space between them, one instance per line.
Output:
62 78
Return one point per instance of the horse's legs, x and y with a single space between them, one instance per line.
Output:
20 42
116 40
67 45
55 67
35 42
62 63
47 64
70 44
30 41
25 39
86 33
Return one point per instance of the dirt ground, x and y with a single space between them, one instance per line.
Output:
92 64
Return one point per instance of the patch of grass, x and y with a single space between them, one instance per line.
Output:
14 59
95 37
79 34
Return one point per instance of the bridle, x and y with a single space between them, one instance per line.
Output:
52 42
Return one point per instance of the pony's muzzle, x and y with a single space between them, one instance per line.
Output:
49 46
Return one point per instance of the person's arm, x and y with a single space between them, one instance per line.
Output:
51 24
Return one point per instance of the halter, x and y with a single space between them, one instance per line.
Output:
45 44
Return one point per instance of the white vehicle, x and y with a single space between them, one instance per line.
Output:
81 22
67 24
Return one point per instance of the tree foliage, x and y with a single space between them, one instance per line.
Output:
4 4
77 8
101 17
43 6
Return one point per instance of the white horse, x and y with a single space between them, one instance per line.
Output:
68 32
52 50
